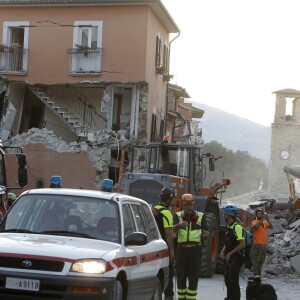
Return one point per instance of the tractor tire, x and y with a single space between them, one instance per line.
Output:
210 246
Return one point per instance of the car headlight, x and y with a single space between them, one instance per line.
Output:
91 266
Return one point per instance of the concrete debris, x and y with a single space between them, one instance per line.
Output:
283 255
99 150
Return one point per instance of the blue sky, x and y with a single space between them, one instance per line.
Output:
234 54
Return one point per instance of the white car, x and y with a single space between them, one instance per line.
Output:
79 244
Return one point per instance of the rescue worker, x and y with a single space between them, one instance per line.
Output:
11 197
234 243
166 197
258 252
189 225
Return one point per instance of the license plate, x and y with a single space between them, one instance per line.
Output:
22 284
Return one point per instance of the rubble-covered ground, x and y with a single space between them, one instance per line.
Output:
282 265
281 268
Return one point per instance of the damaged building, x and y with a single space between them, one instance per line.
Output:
80 80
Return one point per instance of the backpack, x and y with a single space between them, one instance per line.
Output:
247 234
248 243
159 218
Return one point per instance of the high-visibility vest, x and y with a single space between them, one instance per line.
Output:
193 232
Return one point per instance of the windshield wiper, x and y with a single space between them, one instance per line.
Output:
68 233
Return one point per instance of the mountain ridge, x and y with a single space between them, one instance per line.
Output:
234 132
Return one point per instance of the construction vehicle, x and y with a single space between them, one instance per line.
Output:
184 167
20 168
292 202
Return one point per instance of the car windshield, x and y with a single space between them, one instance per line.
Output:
65 215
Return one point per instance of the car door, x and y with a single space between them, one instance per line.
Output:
142 276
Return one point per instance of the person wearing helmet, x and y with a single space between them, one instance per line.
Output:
234 243
258 253
190 228
11 197
164 221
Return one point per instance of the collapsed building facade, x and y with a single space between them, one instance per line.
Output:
79 80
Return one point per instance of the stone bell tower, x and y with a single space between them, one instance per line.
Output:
285 142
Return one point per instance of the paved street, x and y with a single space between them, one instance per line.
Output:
214 288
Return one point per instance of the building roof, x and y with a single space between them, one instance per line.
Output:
179 91
287 92
156 5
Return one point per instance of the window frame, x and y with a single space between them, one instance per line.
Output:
93 59
6 38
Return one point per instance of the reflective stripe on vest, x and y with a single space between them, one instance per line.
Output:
187 234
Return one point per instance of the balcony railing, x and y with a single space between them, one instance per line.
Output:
13 60
85 60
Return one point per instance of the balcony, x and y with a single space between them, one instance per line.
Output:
13 59
84 60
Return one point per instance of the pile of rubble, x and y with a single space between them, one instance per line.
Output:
284 243
99 150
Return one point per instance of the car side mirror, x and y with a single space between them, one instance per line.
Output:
21 157
136 239
22 176
22 171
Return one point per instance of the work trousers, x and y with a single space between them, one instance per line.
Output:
188 263
232 277
258 255
169 290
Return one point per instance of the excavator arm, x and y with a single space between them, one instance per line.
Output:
213 190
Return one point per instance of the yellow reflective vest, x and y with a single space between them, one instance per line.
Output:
193 232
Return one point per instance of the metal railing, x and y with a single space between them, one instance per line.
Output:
13 59
64 133
85 60
75 100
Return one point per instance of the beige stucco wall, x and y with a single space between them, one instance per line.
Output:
76 169
157 87
128 42
123 41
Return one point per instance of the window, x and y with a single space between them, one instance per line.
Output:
161 56
128 220
88 36
14 47
40 183
166 59
138 216
151 223
87 43
153 128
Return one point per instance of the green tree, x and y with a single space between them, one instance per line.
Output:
244 171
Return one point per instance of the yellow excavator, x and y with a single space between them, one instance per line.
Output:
295 172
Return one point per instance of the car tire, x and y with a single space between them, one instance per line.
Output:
210 246
118 291
158 291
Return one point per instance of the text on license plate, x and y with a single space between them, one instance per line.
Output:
22 284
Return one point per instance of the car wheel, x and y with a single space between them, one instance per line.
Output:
118 291
158 291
